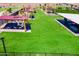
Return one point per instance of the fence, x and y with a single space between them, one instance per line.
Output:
37 54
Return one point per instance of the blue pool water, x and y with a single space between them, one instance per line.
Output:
71 26
16 26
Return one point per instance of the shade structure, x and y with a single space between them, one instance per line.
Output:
13 18
72 17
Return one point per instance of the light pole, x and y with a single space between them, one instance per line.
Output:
2 39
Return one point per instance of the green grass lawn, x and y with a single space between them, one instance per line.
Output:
1 9
46 36
67 10
16 8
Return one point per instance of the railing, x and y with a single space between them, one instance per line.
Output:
37 54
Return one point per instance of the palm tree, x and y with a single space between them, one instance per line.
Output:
72 6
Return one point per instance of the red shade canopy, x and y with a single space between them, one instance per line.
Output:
13 17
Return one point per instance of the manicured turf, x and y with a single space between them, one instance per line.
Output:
46 36
63 10
13 9
1 9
